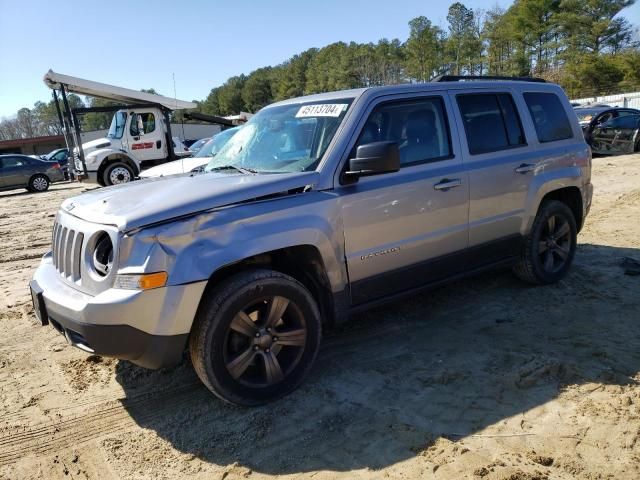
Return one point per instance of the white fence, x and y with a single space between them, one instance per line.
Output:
631 100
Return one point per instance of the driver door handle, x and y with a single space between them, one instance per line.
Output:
525 168
446 183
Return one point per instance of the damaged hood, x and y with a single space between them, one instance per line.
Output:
144 202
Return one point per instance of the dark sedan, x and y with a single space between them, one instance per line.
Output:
21 171
61 156
592 117
617 136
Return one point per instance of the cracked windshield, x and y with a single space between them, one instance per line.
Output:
282 139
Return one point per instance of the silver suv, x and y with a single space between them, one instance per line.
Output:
319 207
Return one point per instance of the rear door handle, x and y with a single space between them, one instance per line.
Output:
445 184
525 168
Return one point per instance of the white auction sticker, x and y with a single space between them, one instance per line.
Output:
322 110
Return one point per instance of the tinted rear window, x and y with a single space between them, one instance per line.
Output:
491 122
549 117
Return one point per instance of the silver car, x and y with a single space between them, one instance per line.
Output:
22 171
319 207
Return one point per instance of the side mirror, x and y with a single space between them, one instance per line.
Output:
374 158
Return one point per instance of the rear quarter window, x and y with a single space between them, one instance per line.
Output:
549 116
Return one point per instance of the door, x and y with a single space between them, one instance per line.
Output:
146 136
15 172
403 229
503 161
617 136
494 149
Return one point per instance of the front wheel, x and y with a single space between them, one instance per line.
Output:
117 173
255 337
549 248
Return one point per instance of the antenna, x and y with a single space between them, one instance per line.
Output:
175 97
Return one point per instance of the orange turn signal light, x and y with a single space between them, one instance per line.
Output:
144 281
152 280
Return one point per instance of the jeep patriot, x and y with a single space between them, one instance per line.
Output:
318 207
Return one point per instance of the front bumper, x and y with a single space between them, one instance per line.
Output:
150 328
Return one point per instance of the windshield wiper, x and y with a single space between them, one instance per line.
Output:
246 171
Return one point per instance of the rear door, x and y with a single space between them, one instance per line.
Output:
15 171
500 166
402 229
3 181
506 147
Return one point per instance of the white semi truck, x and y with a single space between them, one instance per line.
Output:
139 135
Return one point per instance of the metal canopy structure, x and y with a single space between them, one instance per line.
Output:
102 90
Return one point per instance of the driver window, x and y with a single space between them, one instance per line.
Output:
142 124
419 127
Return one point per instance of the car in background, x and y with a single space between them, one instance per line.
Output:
587 113
195 163
617 136
591 117
22 171
198 144
179 148
61 156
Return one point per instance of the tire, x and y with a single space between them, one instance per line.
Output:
117 173
38 183
549 248
243 354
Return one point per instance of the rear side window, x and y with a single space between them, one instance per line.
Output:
8 162
549 117
491 122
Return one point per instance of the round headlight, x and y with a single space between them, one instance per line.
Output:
103 255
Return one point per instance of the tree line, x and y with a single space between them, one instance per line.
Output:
584 45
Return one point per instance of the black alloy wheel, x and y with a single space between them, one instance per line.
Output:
554 244
265 342
548 250
255 336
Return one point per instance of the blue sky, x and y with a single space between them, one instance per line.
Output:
140 44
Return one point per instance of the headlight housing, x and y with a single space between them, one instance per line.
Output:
102 258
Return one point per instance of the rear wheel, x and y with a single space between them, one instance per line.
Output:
550 247
117 173
38 183
255 337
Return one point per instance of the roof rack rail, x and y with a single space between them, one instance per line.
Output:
458 78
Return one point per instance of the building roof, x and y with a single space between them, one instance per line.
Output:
31 141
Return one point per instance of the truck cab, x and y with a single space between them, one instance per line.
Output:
136 138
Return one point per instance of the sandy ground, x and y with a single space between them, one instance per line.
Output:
486 378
